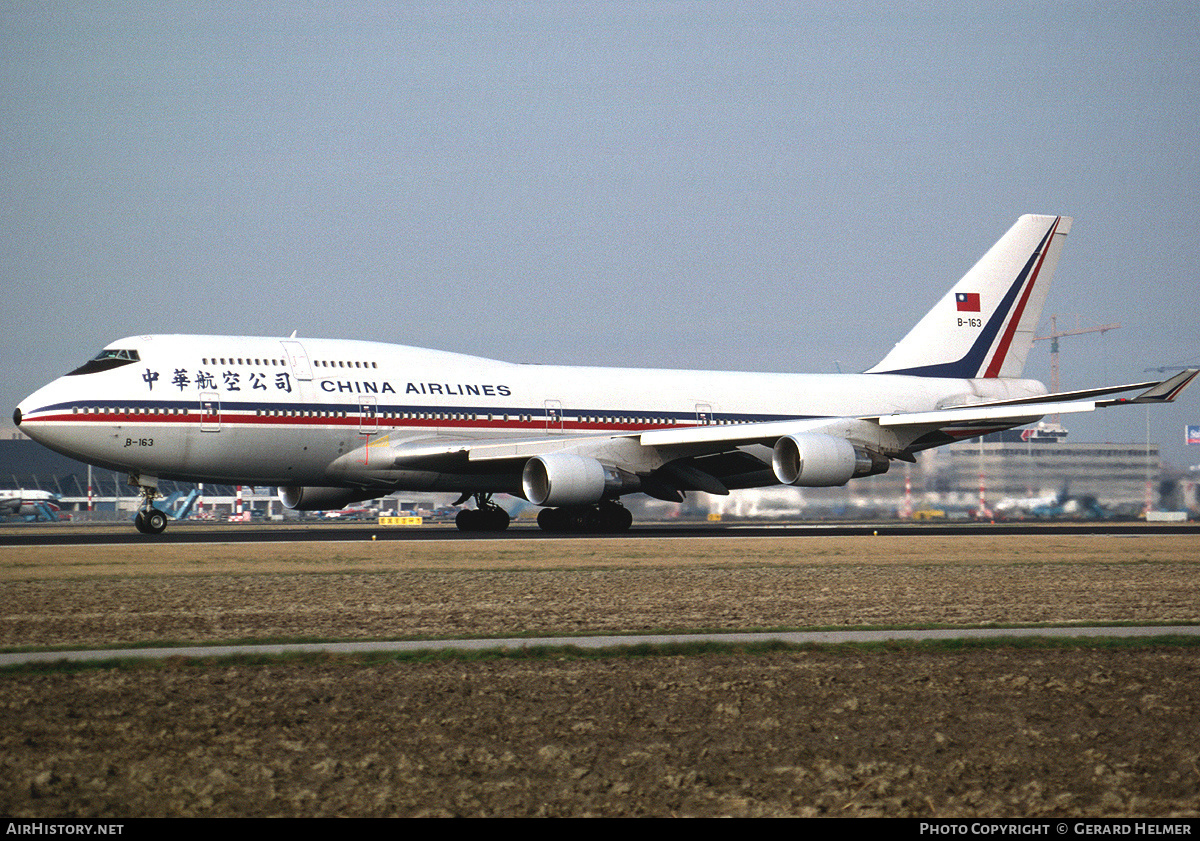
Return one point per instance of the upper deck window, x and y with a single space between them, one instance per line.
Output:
106 360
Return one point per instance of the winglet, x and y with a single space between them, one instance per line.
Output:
1164 392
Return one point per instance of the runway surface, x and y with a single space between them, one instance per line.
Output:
596 642
63 534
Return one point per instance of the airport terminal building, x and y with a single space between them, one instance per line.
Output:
1017 473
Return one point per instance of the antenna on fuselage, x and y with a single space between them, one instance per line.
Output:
293 335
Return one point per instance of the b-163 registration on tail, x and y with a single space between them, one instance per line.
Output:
332 422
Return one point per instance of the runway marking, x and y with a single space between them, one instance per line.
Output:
598 642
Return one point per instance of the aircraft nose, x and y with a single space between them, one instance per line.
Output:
25 415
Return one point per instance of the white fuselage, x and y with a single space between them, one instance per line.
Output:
270 411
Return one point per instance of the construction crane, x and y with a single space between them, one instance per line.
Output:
1056 334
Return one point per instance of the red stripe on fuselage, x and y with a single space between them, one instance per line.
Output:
352 422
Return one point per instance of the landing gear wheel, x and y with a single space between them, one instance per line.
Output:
155 521
498 518
605 518
551 519
486 517
148 520
616 517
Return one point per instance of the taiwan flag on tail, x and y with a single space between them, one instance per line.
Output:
967 301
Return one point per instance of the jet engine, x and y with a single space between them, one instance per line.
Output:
822 461
563 479
323 499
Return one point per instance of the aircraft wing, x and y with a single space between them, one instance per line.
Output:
707 439
709 457
1014 412
1163 392
666 461
1061 403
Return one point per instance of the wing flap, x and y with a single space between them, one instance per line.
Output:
432 452
1010 413
537 446
741 433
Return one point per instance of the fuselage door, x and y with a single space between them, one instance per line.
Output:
210 411
704 415
554 416
368 415
297 357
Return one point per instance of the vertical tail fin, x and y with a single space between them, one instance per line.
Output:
984 326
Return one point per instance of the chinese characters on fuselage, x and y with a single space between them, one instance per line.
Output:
230 381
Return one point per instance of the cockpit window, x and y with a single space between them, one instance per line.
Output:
106 360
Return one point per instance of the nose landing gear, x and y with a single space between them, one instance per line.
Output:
149 520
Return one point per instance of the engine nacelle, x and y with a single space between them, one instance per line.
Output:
322 499
565 479
822 461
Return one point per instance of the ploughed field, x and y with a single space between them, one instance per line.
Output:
1090 730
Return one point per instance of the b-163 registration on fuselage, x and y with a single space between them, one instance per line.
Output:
332 422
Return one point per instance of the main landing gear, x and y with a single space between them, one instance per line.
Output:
149 520
485 516
606 518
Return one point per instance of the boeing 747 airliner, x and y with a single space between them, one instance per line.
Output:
333 422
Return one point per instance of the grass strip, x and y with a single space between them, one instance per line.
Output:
303 640
681 648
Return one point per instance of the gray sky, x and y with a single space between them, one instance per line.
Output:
666 184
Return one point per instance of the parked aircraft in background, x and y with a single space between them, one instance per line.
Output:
29 504
333 422
1054 506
